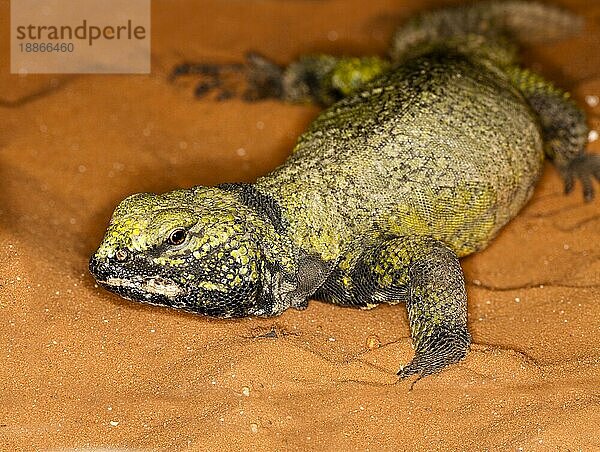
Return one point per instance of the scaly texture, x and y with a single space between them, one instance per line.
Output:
422 161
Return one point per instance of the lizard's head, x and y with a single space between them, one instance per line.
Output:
195 249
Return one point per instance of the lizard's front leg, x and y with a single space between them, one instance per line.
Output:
427 275
437 309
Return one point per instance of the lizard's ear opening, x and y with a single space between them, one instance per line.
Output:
312 273
281 291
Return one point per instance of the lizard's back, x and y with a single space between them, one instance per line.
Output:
440 146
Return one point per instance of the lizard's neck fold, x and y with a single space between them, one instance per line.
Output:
265 205
290 275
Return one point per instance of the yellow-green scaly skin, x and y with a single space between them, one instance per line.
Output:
441 146
422 161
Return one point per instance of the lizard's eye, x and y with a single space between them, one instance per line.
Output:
177 236
121 255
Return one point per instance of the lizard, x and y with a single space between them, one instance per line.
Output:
418 160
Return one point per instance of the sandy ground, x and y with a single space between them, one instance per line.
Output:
82 369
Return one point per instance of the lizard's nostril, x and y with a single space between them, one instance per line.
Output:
98 268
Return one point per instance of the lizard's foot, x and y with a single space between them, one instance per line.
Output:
442 348
258 78
586 168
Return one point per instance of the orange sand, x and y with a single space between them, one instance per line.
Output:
81 368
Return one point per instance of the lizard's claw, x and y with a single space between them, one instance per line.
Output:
258 78
586 168
439 350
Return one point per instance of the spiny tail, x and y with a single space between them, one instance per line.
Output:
496 22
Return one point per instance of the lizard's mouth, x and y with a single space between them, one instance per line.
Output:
154 285
149 289
147 285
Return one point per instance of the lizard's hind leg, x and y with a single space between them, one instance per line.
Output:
320 79
564 130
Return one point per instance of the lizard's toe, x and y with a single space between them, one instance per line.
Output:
214 77
586 168
442 348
